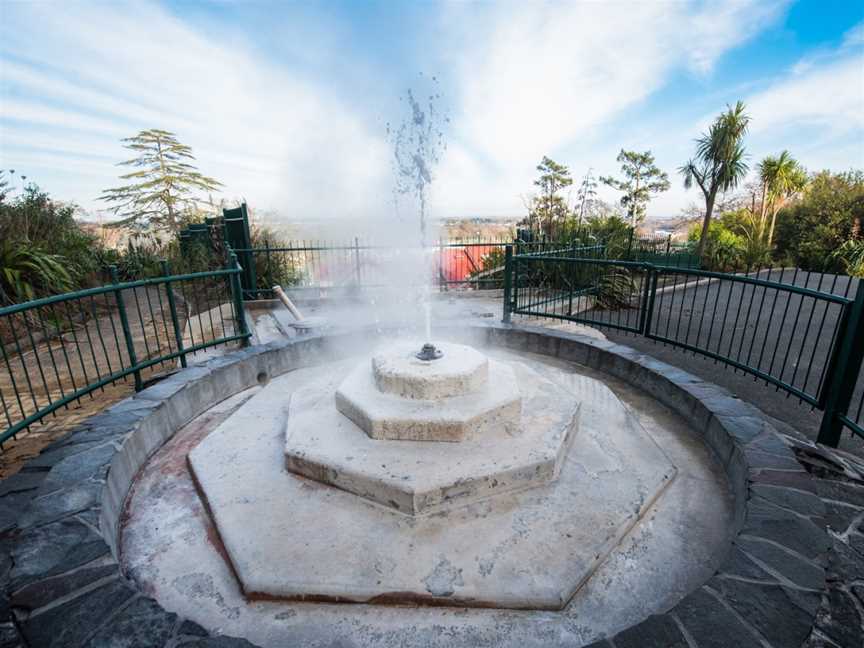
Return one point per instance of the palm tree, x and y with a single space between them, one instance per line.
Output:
782 177
719 163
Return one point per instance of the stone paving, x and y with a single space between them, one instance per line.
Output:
794 575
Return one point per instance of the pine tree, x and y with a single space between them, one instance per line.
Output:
642 178
163 183
549 208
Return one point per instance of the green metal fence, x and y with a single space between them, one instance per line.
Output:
806 342
477 264
60 349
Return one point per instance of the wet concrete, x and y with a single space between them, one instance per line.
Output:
170 548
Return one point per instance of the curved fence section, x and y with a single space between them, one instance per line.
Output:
320 266
60 349
806 342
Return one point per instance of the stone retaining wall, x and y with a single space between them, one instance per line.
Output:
59 517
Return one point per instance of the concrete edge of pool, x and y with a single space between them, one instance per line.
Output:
64 555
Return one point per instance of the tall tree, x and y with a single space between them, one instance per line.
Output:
163 184
4 185
641 179
549 207
782 177
587 194
719 162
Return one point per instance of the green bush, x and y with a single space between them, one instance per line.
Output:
725 250
277 268
44 250
27 272
494 260
851 253
830 213
141 258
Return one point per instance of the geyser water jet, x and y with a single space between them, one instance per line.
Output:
418 144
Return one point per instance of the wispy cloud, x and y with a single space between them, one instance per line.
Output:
303 131
97 73
539 79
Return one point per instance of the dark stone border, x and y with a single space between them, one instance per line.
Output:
62 585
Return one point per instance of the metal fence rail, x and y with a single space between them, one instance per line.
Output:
56 350
322 265
452 265
808 343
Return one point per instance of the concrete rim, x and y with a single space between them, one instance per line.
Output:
746 445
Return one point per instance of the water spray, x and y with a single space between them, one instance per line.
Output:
418 145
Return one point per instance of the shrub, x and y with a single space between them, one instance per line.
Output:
44 250
278 268
26 272
829 213
490 274
725 250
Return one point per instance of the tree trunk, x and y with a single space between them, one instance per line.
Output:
762 215
709 210
172 220
773 222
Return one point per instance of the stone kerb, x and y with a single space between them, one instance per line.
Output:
62 567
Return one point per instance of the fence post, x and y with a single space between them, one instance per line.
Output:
357 260
127 332
648 300
843 368
269 270
172 307
572 281
237 294
508 286
442 258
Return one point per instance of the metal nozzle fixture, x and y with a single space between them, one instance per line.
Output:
428 352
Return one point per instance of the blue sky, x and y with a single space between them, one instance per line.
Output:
287 103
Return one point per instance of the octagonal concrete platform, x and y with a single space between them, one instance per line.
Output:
461 370
291 537
421 477
496 404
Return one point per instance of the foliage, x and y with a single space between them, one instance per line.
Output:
44 249
275 269
141 258
718 165
723 250
829 213
852 255
641 179
614 289
4 185
549 208
782 177
27 271
491 269
613 232
163 183
755 251
586 197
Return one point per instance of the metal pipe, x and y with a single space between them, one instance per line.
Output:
277 290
